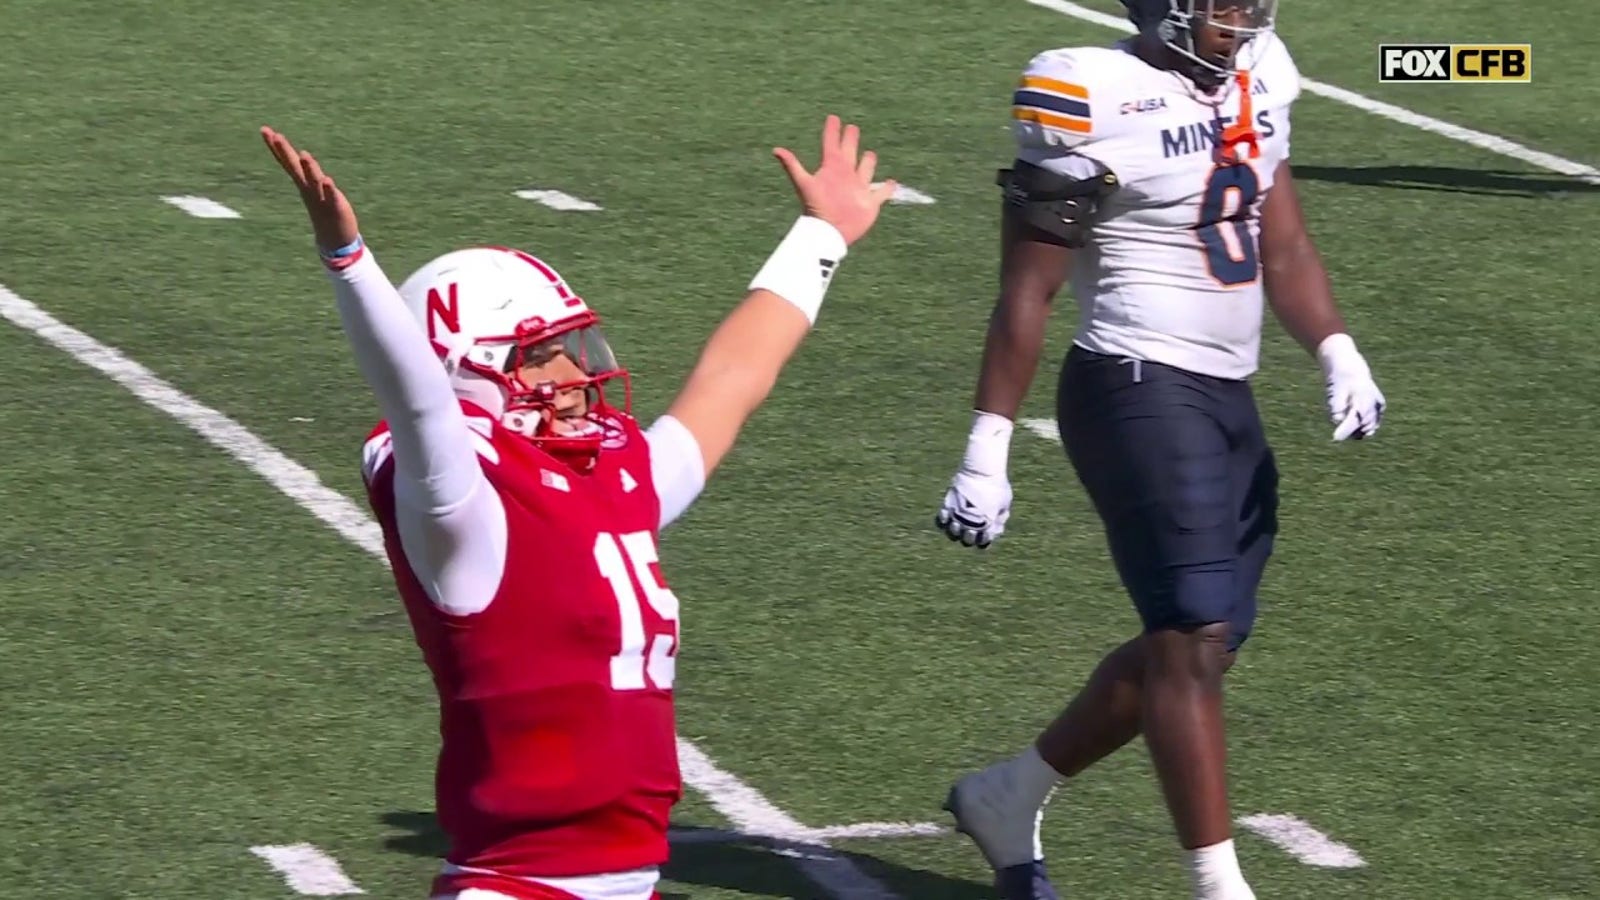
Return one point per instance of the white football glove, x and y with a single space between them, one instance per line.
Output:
978 502
1355 405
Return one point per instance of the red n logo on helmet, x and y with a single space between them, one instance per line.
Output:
444 314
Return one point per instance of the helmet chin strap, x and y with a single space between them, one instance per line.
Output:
478 390
525 422
491 397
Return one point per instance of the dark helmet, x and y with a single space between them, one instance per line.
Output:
1172 23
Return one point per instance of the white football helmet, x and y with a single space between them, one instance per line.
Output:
1173 22
484 308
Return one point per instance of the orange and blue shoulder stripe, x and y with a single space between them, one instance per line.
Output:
1052 103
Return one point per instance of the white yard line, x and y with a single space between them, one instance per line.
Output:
1479 139
558 200
308 870
294 480
1045 428
909 196
742 804
755 815
1302 841
879 830
858 831
202 207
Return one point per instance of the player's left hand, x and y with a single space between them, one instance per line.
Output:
1355 405
841 191
332 220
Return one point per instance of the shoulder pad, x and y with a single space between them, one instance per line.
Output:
1272 64
1053 104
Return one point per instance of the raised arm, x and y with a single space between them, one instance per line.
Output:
741 361
435 463
450 520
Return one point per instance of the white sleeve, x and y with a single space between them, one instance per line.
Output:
677 467
451 522
458 555
436 466
1055 122
1051 106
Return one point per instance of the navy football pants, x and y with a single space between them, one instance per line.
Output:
1178 467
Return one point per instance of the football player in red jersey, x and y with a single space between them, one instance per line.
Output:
520 504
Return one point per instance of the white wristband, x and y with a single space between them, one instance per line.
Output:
1338 353
988 444
802 267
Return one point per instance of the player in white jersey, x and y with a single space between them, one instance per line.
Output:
1155 174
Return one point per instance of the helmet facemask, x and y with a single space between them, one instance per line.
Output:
1233 22
554 380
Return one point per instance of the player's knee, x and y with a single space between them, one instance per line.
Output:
1241 622
1194 653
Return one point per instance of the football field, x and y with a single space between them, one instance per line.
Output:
210 690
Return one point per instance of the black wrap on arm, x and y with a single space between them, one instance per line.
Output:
1061 206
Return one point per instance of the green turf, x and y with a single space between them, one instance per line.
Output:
194 665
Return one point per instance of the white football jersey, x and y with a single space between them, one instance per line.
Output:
1172 272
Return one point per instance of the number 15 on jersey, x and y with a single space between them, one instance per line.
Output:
629 667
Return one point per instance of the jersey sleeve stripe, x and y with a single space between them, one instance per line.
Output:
1051 103
1050 120
1054 85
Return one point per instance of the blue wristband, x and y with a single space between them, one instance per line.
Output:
350 249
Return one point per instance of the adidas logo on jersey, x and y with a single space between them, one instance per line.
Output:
828 267
554 480
628 482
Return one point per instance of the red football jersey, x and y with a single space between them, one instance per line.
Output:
556 716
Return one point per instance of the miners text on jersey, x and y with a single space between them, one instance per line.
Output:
1205 136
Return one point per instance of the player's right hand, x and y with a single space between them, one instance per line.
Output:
975 508
841 191
332 220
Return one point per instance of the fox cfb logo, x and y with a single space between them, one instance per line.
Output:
1455 62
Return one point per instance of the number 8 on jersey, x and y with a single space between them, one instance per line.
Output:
1224 226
